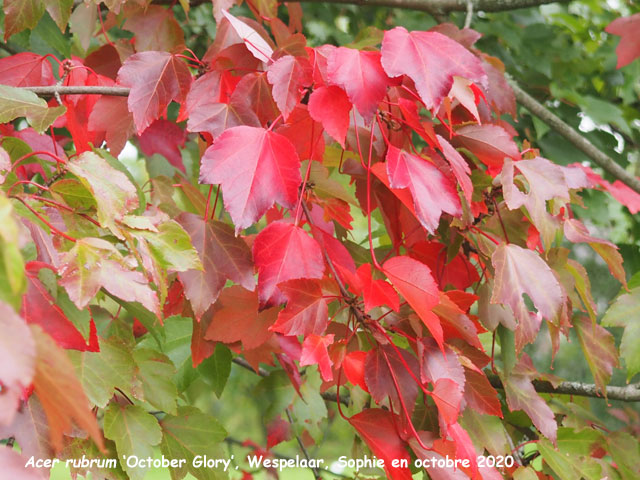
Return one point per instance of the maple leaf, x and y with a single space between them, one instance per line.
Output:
391 372
459 166
288 75
26 69
40 308
256 168
60 392
431 60
353 365
447 396
223 256
490 143
434 365
521 395
155 28
14 465
314 352
599 349
94 263
166 138
235 318
377 428
519 271
432 192
330 106
628 29
17 361
207 113
360 74
284 252
255 43
479 395
306 311
624 313
414 282
111 115
21 14
376 292
16 102
155 79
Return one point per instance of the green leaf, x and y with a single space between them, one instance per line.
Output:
171 245
114 193
102 372
21 14
60 11
155 372
216 369
47 38
16 102
625 451
486 431
625 312
13 282
561 464
134 431
177 346
578 442
74 194
276 393
191 433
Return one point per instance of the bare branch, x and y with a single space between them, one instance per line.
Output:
630 393
429 6
589 149
78 90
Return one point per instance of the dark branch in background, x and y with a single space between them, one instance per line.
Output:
630 393
598 156
429 6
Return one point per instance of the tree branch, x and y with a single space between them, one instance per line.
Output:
429 6
630 393
581 143
78 90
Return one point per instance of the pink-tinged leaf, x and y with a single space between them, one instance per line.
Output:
480 395
376 292
235 318
156 79
353 366
499 93
519 271
284 252
521 395
599 349
258 47
414 282
388 373
306 311
314 352
447 396
288 75
206 111
432 192
625 195
223 256
94 263
165 138
435 365
378 429
254 92
26 70
155 28
330 106
459 166
490 143
17 361
111 115
628 28
360 74
575 231
40 308
431 60
13 464
409 110
30 430
256 168
464 446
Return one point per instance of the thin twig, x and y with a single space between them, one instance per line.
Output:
303 449
581 143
